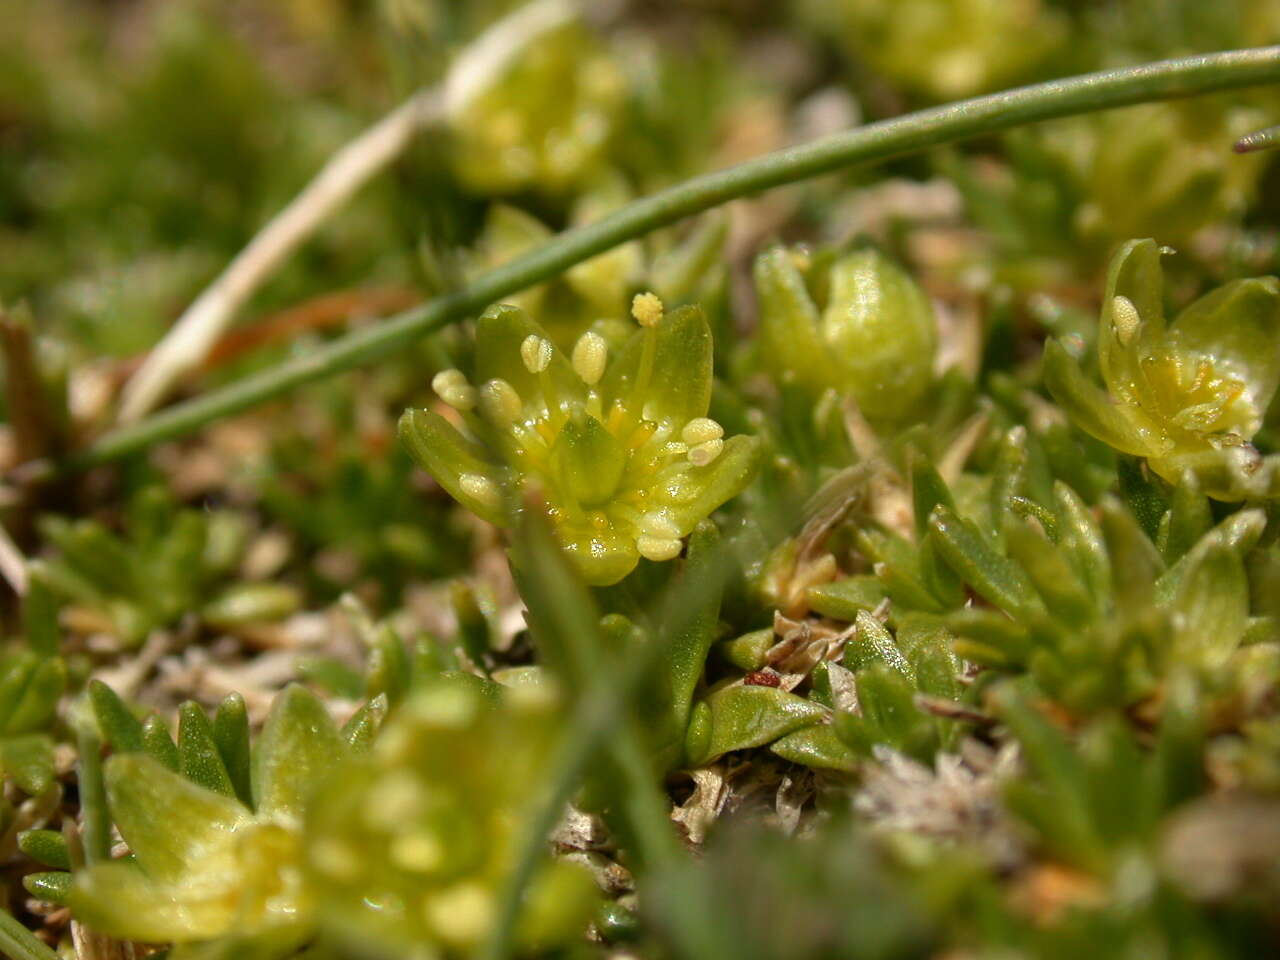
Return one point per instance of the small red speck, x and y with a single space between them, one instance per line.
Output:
762 678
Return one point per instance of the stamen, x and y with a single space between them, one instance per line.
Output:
658 549
535 351
704 453
1126 318
500 403
700 430
480 488
659 526
590 354
647 309
452 387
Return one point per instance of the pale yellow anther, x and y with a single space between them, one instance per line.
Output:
700 430
452 387
590 354
658 548
420 851
647 309
447 378
480 488
1126 318
535 351
461 914
659 526
703 453
500 402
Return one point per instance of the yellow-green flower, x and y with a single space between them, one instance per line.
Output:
946 49
411 846
874 340
1190 395
546 123
621 448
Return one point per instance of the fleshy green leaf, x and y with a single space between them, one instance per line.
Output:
1213 605
231 734
48 847
28 758
817 746
120 728
298 746
39 699
751 716
976 561
198 755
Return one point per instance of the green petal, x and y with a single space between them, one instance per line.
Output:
171 824
1229 474
702 490
119 900
679 386
499 333
790 340
437 446
589 461
298 747
601 559
1135 274
1125 428
881 328
1238 323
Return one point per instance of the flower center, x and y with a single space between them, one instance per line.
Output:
1199 394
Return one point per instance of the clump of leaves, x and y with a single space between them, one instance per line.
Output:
32 680
214 829
172 561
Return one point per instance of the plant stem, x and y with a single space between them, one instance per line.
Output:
912 133
18 942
